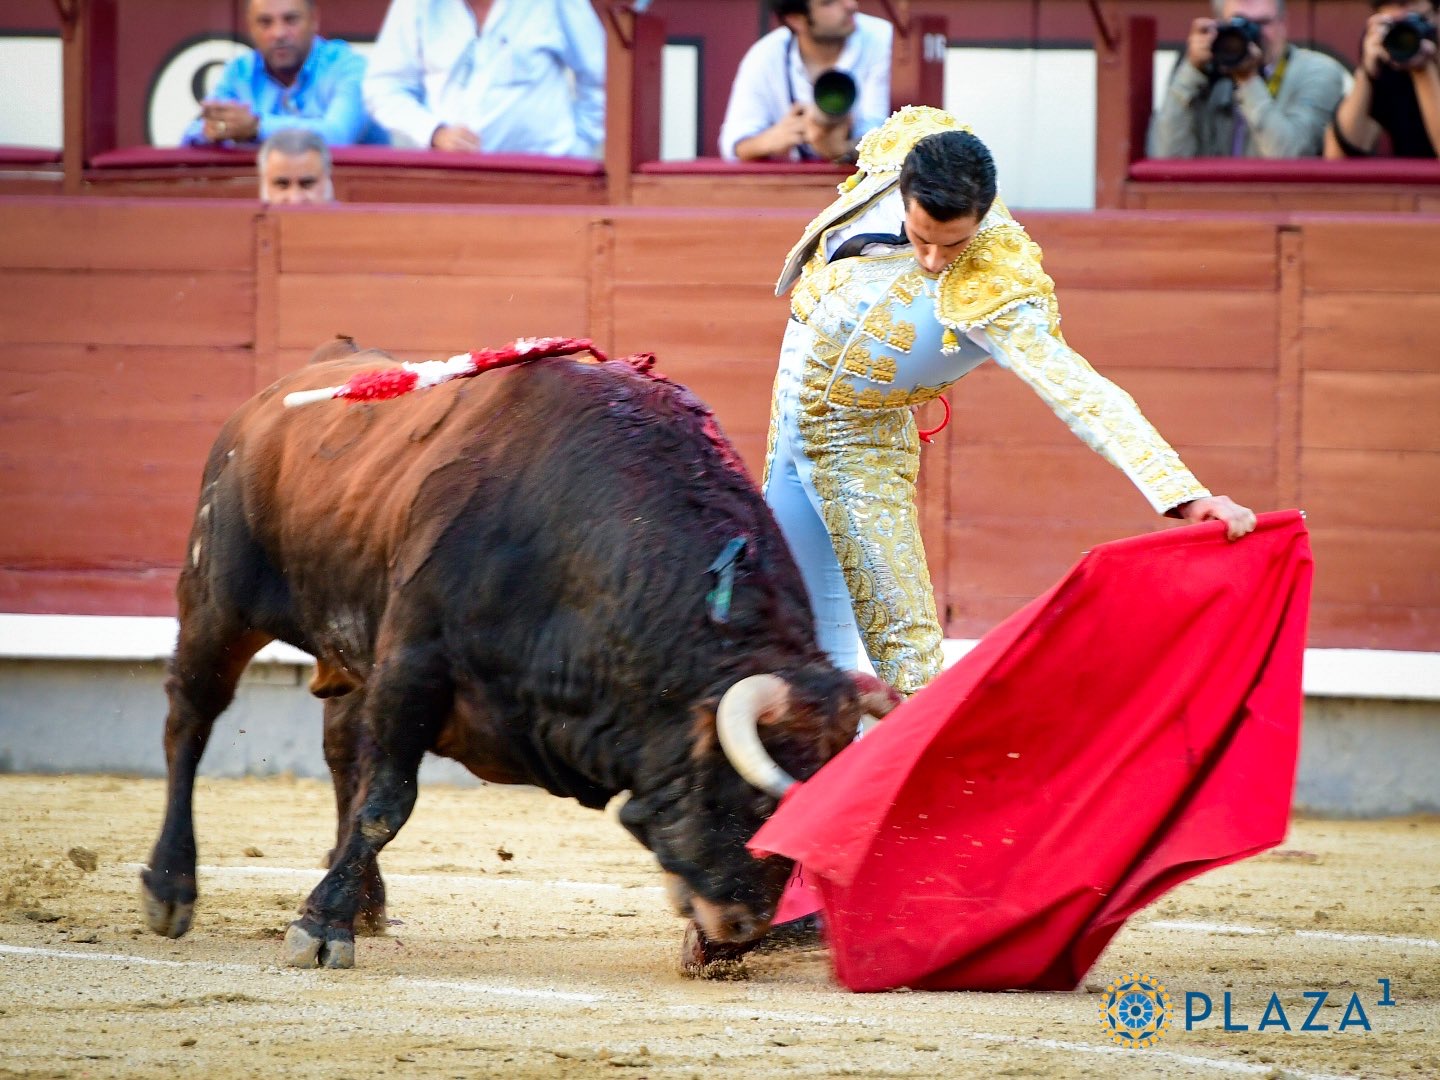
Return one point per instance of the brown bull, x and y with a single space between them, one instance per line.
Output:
517 571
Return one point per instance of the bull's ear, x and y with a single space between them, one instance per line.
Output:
703 740
342 346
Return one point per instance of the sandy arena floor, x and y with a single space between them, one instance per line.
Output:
533 940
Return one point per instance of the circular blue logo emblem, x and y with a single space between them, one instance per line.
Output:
1135 1010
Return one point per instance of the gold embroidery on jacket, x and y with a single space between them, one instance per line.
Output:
882 325
997 272
828 300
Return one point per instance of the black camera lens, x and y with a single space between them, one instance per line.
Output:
1231 47
835 93
1405 36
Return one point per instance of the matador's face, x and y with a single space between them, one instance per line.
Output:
937 243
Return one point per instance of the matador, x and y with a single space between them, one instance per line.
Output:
915 275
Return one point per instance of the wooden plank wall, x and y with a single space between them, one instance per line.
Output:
128 336
1287 358
1369 441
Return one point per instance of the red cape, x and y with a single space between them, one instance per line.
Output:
1131 728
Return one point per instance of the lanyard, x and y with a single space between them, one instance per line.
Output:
1273 82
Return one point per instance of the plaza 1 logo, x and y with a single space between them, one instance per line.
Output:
1198 1008
1136 1011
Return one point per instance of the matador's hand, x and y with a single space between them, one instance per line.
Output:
1238 519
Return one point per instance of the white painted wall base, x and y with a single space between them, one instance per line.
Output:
1345 673
86 694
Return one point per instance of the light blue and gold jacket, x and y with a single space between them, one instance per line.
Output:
884 334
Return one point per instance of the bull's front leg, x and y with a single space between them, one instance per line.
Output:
407 699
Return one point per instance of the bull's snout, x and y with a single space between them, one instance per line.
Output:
729 924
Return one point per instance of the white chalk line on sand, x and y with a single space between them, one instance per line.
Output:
1276 931
710 1012
1180 925
271 969
437 878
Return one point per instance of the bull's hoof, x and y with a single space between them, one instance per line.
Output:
701 958
170 916
327 948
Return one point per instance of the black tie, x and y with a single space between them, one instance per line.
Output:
856 244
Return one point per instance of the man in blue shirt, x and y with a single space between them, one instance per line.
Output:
292 78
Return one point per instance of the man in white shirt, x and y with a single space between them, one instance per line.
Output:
771 114
500 76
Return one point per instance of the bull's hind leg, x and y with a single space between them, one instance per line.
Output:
209 659
346 740
408 697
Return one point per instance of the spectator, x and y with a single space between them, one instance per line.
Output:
294 167
503 76
771 113
293 78
1396 91
1248 94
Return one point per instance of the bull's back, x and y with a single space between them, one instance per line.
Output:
339 476
571 494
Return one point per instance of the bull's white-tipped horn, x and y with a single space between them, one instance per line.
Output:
737 724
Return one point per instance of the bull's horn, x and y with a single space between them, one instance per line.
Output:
737 724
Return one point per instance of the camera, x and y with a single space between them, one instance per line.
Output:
1405 36
1231 47
835 93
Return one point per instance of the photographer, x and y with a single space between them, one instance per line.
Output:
774 111
1242 90
1396 92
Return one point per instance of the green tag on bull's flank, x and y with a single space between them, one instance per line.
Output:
717 600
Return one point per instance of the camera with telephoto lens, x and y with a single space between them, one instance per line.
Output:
835 93
1231 47
1406 35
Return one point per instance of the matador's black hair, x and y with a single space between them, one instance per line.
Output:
950 174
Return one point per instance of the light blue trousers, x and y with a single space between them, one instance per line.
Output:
791 497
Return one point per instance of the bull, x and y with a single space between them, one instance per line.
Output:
519 572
